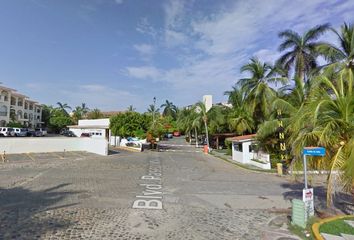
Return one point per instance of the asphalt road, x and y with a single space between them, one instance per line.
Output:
150 195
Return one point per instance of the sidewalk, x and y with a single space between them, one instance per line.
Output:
245 166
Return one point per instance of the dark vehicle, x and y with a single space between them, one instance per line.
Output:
68 134
85 135
2 135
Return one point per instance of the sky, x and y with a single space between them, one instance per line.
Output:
111 54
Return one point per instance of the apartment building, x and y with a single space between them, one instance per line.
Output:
19 108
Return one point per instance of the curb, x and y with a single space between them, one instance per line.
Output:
316 226
128 149
244 167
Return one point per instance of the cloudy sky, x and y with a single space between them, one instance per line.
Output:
114 53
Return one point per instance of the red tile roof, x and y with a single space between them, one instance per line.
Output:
242 138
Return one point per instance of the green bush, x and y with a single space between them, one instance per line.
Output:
228 145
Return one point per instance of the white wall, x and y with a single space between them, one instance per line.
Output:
94 122
46 144
208 102
236 155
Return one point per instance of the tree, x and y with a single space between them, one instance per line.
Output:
302 50
77 114
258 93
217 119
152 109
127 124
169 109
95 114
131 108
63 107
202 114
59 119
327 119
84 110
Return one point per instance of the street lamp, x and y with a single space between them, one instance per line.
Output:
153 113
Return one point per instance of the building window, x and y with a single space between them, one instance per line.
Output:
20 103
26 105
25 116
3 111
31 107
13 101
19 114
238 147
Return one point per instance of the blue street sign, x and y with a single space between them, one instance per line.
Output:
314 151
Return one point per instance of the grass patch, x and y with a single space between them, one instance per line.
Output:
303 233
337 226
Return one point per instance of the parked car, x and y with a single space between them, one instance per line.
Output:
176 134
68 133
7 131
40 132
30 132
85 135
20 132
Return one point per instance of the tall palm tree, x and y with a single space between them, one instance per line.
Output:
328 120
152 109
84 109
169 109
77 114
301 50
344 53
63 107
131 108
202 117
258 93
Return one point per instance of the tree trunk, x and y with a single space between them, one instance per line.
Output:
206 133
196 137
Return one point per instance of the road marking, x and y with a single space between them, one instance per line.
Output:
152 188
172 150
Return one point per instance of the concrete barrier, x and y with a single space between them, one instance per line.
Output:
44 144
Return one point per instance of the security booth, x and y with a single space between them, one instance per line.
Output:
244 151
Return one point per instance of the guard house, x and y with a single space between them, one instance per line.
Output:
96 128
242 152
241 148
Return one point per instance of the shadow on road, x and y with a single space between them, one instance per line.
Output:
343 201
26 214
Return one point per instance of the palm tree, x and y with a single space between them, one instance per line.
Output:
328 120
63 107
340 58
131 108
77 114
302 50
259 94
217 119
84 109
95 114
202 117
184 121
152 109
169 109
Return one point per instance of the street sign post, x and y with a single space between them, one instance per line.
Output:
307 193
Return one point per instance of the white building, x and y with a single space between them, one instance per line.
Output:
208 101
19 108
96 128
243 152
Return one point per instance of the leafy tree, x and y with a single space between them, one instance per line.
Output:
59 119
302 50
14 124
128 123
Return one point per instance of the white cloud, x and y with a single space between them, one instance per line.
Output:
267 55
118 1
145 27
144 49
145 72
100 96
219 43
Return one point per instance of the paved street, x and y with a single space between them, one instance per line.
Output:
85 196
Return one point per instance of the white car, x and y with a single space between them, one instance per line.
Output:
7 131
40 132
20 132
